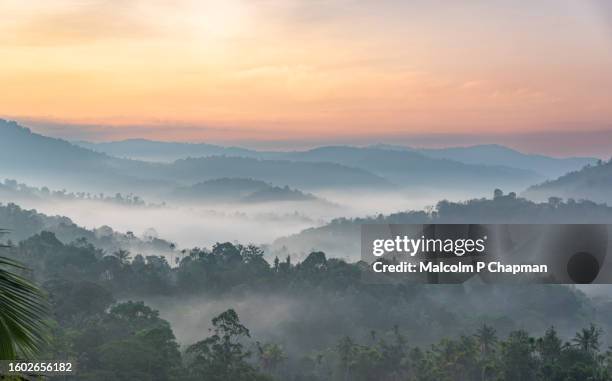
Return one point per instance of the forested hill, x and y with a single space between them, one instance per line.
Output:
17 192
22 224
593 182
240 190
341 237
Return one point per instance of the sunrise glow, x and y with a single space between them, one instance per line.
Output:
268 69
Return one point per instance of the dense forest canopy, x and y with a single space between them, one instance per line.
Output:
344 328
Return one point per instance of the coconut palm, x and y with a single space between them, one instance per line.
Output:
487 339
270 356
588 339
22 312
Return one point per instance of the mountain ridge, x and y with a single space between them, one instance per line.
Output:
593 182
43 161
483 154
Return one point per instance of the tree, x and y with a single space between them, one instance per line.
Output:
270 356
346 351
487 339
222 356
550 345
122 255
550 349
519 362
315 261
555 202
588 339
23 310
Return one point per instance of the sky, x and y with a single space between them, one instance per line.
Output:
535 75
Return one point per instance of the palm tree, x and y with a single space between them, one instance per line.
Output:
346 351
487 339
122 255
22 312
270 356
588 339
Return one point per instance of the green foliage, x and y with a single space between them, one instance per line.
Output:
388 330
520 357
222 356
129 341
22 313
23 310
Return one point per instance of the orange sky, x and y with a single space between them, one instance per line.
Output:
288 69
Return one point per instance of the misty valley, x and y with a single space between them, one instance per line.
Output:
183 261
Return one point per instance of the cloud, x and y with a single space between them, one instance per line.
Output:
75 22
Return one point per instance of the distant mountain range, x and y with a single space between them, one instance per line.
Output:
415 170
240 190
403 167
495 154
149 150
41 160
593 182
491 155
111 167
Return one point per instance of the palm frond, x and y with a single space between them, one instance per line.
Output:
22 313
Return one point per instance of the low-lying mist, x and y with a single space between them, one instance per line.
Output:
203 224
308 320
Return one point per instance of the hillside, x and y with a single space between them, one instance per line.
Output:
13 191
593 182
23 223
239 190
341 237
43 161
310 176
150 150
276 194
495 154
